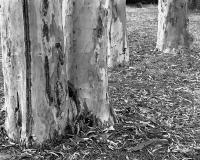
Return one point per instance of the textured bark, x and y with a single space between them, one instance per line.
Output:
172 25
88 61
14 67
37 37
118 52
35 69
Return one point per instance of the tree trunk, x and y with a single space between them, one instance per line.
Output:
35 70
37 38
191 4
118 52
172 25
198 4
88 61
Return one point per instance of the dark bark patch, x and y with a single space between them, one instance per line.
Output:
124 51
45 31
59 96
60 53
28 68
99 28
109 34
73 94
96 56
45 6
47 76
18 113
58 90
8 43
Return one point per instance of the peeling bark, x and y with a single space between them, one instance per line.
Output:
14 68
35 70
88 61
45 90
118 52
172 26
49 74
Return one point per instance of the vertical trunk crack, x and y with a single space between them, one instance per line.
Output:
48 86
28 68
18 113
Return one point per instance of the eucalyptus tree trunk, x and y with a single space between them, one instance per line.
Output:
35 69
172 26
54 66
88 61
118 52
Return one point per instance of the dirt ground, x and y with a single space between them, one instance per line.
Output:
156 98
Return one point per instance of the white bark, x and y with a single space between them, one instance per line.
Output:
118 52
37 37
13 66
88 61
172 25
35 69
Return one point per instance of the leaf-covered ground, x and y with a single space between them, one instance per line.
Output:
156 98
